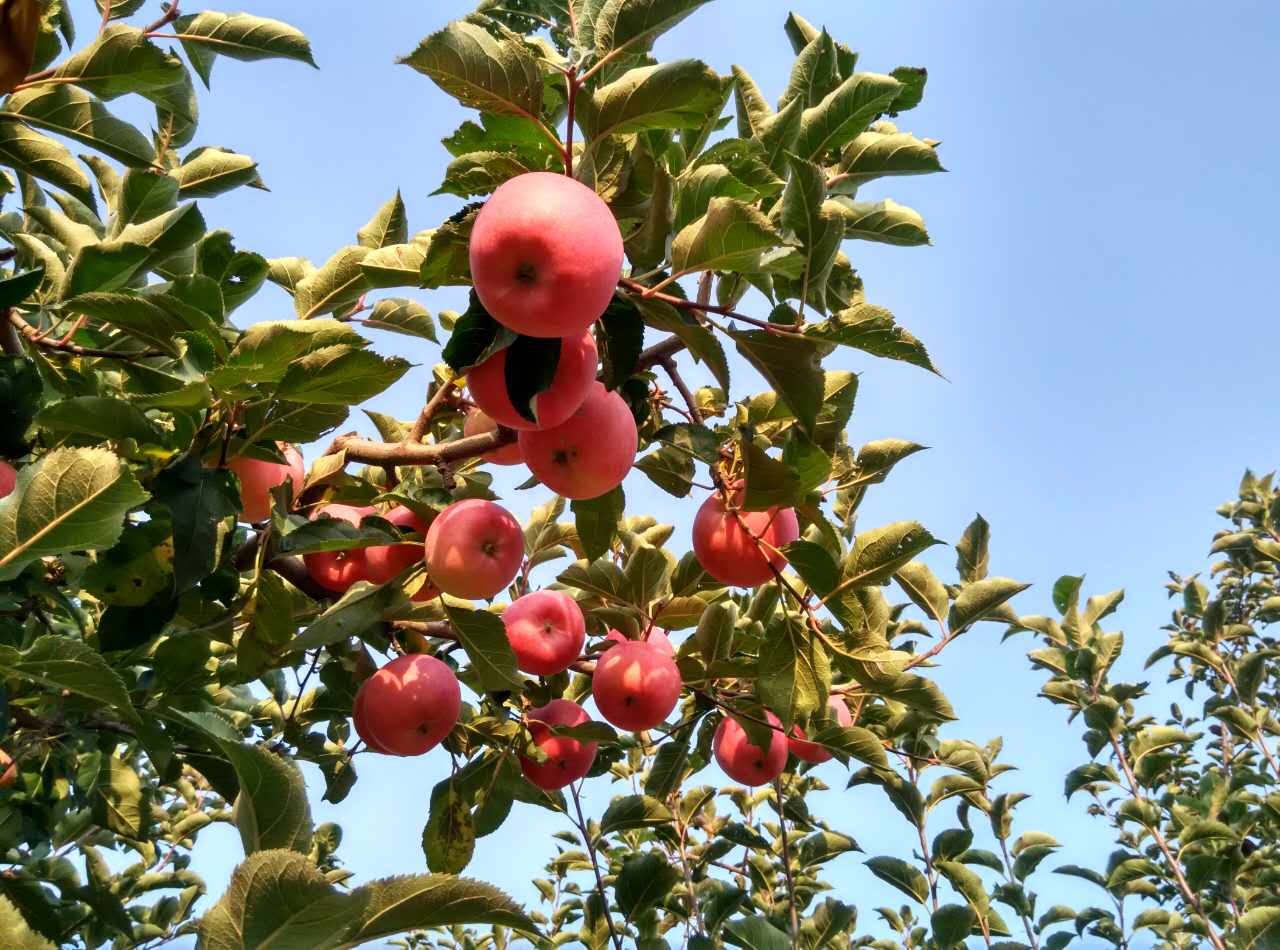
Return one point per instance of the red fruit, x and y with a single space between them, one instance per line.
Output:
427 591
588 454
810 752
476 423
575 372
655 638
474 549
10 769
386 561
257 478
747 763
8 479
408 706
546 255
567 759
636 685
338 570
546 630
729 554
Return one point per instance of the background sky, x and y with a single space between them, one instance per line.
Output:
1099 294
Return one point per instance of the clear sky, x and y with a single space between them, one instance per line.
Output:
1098 293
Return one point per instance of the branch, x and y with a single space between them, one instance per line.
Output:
405 453
9 341
595 866
171 13
680 303
659 352
786 862
35 338
429 410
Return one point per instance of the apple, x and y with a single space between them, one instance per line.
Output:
747 763
408 706
546 630
589 453
568 759
546 255
654 638
575 372
809 751
8 479
730 554
385 561
338 570
257 478
8 769
636 685
474 549
477 422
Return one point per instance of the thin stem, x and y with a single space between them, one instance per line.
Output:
571 79
688 879
695 414
9 341
595 865
1026 921
106 15
34 337
315 660
170 14
786 862
437 399
680 303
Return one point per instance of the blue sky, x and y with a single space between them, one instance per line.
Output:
1102 277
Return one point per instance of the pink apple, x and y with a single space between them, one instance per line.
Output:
338 570
589 453
546 630
730 554
809 751
747 763
257 478
385 561
654 638
636 684
474 549
477 422
408 706
8 479
575 372
568 759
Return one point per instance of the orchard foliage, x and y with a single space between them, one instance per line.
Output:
181 623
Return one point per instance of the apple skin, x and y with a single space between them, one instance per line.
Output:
747 763
385 561
729 554
8 479
575 372
546 630
474 549
568 759
589 453
810 752
546 255
8 769
655 638
408 706
636 684
477 422
257 478
338 570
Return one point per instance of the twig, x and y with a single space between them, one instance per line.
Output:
9 341
301 686
571 79
429 410
695 414
595 865
106 15
656 354
626 283
33 336
171 13
403 453
786 863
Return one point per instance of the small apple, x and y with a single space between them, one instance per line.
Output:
589 453
385 561
8 769
257 478
546 630
575 372
568 759
474 549
812 752
408 706
730 554
747 763
338 570
636 684
8 479
546 255
478 423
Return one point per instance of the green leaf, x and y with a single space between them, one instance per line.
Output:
645 880
484 637
879 153
144 194
201 501
597 521
66 663
498 76
817 225
449 838
885 222
18 934
702 343
70 500
667 769
980 599
212 171
28 151
403 316
101 418
16 289
873 330
1259 928
755 933
70 111
794 672
674 95
340 375
480 173
140 317
529 371
120 60
972 555
843 113
792 365
633 811
731 236
388 226
338 283
398 904
396 265
814 74
447 258
265 351
358 610
754 111
704 182
240 36
670 469
879 553
952 924
925 590
631 26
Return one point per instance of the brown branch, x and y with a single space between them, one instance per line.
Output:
659 352
34 337
695 414
437 399
171 13
595 865
571 79
106 15
404 453
9 341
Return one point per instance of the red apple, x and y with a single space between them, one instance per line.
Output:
477 423
257 478
730 554
747 763
8 479
408 706
8 769
546 630
546 255
636 685
589 453
568 759
386 561
338 570
575 372
809 751
474 549
655 638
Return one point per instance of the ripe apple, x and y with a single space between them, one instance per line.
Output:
655 638
747 763
730 554
636 685
257 478
338 570
568 759
575 372
809 751
408 706
8 479
478 422
546 630
546 255
474 549
8 769
385 561
589 453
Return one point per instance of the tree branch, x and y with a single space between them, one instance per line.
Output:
680 303
656 354
786 863
35 338
405 453
437 399
595 866
171 13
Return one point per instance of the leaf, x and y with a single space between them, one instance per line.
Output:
645 880
388 226
702 343
631 26
337 283
403 316
885 222
480 173
484 637
65 663
449 838
18 934
756 933
340 375
952 923
359 609
925 590
529 370
843 113
70 111
667 769
879 553
818 226
16 289
498 76
597 521
47 159
240 36
396 265
70 500
200 500
905 877
972 556
144 194
876 154
212 171
633 811
980 599
620 342
792 365
814 74
873 330
670 469
139 316
731 236
1259 928
398 904
675 95
794 672
120 60
265 351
